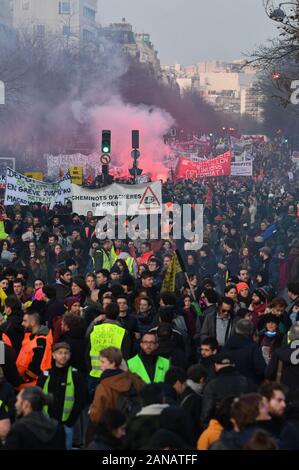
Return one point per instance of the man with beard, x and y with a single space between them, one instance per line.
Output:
147 364
35 353
34 430
63 284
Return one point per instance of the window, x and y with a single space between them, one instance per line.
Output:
87 35
25 5
66 30
89 13
64 8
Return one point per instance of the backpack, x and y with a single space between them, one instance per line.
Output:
129 403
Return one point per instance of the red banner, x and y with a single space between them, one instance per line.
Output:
218 166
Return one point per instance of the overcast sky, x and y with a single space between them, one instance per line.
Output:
190 31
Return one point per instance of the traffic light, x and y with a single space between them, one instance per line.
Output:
135 139
106 141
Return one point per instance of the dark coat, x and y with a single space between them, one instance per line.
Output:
76 339
13 328
63 290
36 431
209 327
10 370
247 357
290 372
57 386
102 441
142 426
228 382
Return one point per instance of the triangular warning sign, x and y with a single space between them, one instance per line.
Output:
149 200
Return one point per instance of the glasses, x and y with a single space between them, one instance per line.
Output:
224 310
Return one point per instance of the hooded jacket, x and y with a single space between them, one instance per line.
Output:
227 382
247 356
141 427
107 393
36 431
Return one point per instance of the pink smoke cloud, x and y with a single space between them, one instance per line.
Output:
121 118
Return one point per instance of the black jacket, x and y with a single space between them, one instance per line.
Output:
102 441
52 309
57 386
36 431
289 373
9 368
12 327
8 396
141 427
63 290
228 382
76 339
247 357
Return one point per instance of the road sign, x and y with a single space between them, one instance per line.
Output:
105 159
135 153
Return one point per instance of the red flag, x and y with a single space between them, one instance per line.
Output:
218 166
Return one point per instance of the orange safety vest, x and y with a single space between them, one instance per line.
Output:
6 340
26 354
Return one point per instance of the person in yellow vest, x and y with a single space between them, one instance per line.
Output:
147 364
35 353
104 257
67 386
108 333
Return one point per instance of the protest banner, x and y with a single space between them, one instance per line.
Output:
241 168
118 199
4 163
218 166
25 190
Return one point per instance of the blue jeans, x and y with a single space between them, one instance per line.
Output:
68 437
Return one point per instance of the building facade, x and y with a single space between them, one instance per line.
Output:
228 87
69 18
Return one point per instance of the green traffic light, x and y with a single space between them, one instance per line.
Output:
105 149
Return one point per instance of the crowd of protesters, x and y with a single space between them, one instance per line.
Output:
100 354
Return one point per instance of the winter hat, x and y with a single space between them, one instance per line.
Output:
261 293
70 301
61 345
241 285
